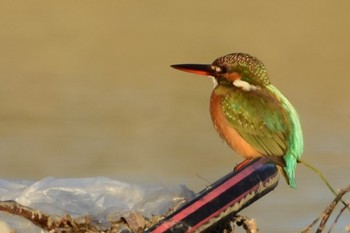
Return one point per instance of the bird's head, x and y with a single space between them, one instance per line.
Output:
233 70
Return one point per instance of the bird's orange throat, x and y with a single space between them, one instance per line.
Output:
228 133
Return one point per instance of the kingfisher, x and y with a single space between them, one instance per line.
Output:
250 114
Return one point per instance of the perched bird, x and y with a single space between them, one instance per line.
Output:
250 114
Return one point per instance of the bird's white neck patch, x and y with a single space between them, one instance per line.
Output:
215 82
245 86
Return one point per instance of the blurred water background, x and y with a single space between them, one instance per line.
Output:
86 90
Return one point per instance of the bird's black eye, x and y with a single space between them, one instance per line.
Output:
223 70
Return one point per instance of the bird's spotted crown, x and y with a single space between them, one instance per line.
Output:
251 69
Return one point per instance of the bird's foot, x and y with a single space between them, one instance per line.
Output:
242 164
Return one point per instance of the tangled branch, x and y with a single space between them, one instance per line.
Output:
324 217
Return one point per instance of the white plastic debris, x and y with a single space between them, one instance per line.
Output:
99 197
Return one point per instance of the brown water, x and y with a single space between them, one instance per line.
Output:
86 90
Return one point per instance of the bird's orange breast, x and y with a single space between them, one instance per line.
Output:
227 132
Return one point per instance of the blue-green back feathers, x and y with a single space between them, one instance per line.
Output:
295 139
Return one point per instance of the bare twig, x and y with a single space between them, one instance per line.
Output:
337 218
36 217
248 224
47 222
309 228
330 208
328 211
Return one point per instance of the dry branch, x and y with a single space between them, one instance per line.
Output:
324 217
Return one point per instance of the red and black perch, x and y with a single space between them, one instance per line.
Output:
222 200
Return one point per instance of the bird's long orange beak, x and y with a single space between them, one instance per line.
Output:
201 69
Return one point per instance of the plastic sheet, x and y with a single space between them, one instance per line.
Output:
100 197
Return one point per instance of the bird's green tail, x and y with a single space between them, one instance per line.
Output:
289 169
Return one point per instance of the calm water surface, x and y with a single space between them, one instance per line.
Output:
86 90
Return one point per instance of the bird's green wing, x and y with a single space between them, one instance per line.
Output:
260 119
268 122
